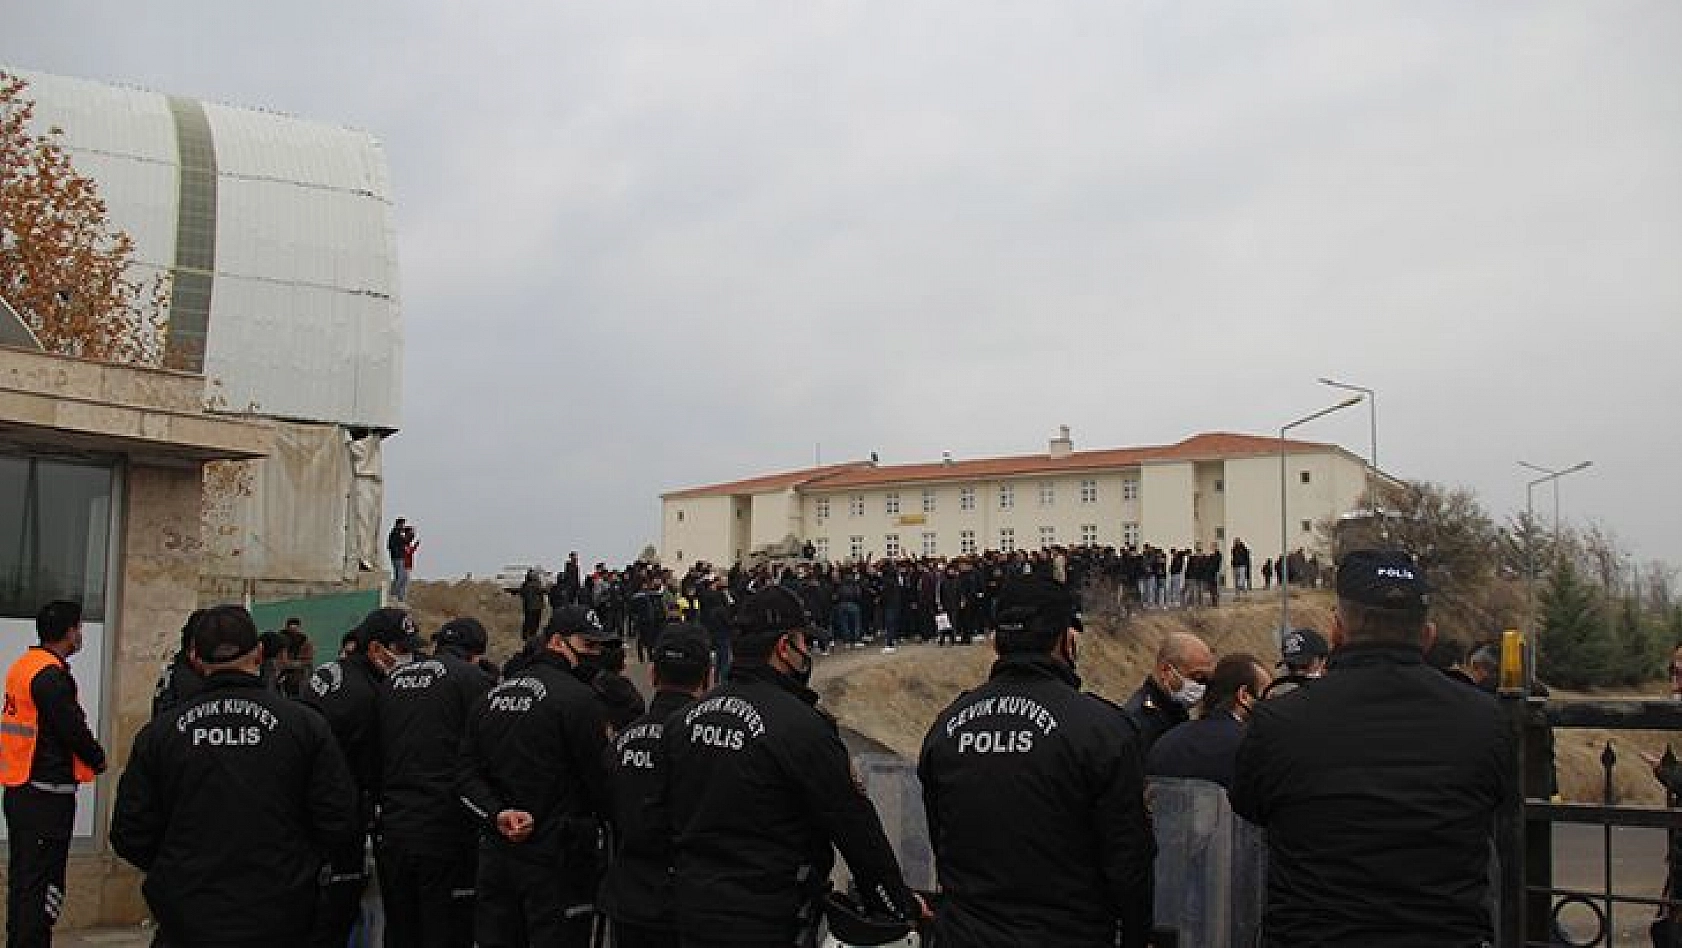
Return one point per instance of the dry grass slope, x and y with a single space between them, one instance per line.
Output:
894 702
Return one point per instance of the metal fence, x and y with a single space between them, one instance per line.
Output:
1533 907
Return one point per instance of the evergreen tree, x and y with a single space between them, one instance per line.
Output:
1574 651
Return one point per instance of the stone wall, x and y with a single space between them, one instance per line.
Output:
160 551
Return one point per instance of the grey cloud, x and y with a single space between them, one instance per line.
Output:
647 245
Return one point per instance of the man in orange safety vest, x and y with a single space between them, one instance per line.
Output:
46 751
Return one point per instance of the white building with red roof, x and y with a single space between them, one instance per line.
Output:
1207 490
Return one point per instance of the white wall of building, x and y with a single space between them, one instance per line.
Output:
696 529
1173 504
1165 500
304 319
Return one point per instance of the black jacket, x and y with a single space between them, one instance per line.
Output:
347 693
62 731
1154 712
1035 800
638 888
758 789
1378 787
424 708
1205 749
535 743
178 682
229 801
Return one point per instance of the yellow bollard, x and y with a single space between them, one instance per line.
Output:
1512 660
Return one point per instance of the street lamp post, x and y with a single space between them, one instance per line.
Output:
1548 475
1372 417
1284 513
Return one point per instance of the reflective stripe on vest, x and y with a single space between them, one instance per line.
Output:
19 719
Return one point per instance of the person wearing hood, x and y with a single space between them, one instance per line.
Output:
1035 795
1175 686
760 793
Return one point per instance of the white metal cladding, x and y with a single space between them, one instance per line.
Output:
304 316
124 139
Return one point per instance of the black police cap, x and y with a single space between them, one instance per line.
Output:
1383 579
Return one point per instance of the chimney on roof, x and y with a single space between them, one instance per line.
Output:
946 458
874 459
1062 446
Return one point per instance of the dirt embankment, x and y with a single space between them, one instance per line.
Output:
893 699
435 603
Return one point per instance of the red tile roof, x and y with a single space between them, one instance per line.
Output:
766 483
1203 447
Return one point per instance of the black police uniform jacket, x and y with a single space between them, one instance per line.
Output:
536 743
758 787
347 693
1378 785
638 887
1035 801
424 709
1154 712
229 802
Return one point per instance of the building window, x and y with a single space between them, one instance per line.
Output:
1089 492
1007 496
1305 477
966 542
1220 534
966 499
1307 526
855 545
820 548
1007 539
680 556
890 504
928 501
1048 537
1130 489
680 516
1089 534
855 506
1220 485
820 509
1048 494
1130 534
930 547
890 546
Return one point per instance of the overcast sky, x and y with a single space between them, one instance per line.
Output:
653 245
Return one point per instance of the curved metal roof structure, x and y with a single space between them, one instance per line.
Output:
278 233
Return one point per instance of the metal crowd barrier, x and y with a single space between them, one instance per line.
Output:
1210 864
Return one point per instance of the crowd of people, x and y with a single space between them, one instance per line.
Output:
544 802
930 599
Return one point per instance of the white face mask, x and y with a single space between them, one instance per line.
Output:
1190 693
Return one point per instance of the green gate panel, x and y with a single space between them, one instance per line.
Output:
326 618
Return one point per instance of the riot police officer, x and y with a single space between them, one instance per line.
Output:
534 776
346 691
230 801
1035 796
759 789
427 841
637 893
